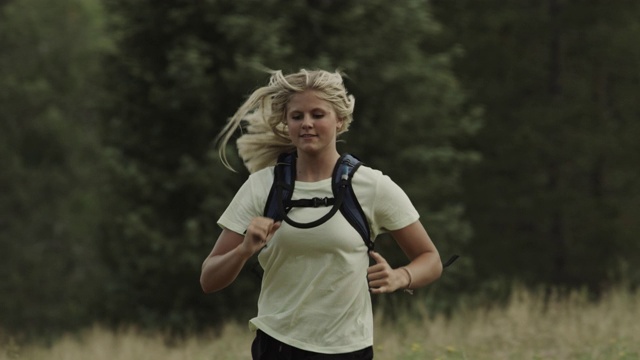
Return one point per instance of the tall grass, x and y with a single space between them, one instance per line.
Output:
527 327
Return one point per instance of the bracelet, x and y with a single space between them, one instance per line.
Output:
408 289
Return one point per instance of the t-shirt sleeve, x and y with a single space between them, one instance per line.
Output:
393 209
247 204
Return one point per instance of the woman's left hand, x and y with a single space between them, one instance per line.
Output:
383 278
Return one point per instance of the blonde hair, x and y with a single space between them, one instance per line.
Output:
262 117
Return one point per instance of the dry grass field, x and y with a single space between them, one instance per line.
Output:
527 328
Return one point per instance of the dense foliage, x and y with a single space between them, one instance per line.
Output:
557 194
52 191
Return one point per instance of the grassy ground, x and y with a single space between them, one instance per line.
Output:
571 328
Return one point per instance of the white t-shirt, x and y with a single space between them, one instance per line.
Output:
314 293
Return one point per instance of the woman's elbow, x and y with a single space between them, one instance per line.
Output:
206 288
435 268
438 269
207 282
211 283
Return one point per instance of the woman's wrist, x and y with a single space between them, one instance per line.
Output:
407 288
244 252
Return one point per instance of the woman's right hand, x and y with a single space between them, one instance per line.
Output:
232 250
259 233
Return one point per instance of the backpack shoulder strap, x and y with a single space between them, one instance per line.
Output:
350 208
283 177
284 181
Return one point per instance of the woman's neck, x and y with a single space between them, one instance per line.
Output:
311 168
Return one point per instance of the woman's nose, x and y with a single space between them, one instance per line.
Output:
307 122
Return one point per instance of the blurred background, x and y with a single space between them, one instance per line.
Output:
512 125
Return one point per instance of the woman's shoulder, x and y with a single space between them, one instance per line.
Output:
366 176
368 172
261 178
372 178
262 173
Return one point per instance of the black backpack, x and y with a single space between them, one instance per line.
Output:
344 199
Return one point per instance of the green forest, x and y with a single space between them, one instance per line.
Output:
513 126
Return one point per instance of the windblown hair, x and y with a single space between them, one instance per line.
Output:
262 117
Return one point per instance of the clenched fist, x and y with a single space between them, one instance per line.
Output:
383 278
259 233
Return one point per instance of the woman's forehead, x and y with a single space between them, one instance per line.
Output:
307 100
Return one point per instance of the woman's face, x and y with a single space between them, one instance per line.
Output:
312 122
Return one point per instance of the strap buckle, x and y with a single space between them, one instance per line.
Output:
317 202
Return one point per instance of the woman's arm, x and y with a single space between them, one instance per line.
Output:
424 268
232 251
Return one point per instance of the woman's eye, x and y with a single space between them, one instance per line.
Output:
296 117
318 115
